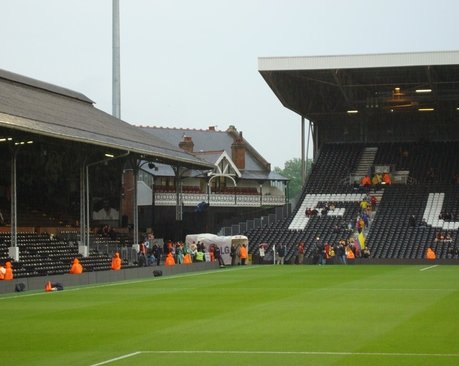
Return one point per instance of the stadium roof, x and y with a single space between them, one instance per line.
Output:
32 106
322 88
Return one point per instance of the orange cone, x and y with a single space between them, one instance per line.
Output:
48 287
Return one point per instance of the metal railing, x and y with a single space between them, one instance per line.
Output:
219 200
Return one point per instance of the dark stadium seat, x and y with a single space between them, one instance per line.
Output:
390 235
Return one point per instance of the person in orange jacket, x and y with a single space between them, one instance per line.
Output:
243 255
8 271
76 268
169 260
116 262
365 181
187 258
2 272
430 254
349 253
387 179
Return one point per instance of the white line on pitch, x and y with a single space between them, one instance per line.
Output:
116 359
285 353
307 353
426 268
118 283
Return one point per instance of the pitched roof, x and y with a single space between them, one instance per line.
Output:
273 176
209 144
40 108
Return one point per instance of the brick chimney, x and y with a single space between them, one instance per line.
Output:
238 152
187 144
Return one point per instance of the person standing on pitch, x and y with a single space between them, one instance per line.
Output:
281 249
243 255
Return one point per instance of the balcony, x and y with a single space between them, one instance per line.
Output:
191 196
219 199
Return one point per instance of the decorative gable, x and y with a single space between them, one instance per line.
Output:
225 167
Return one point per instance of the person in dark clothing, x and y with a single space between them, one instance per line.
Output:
281 251
53 286
157 254
218 256
233 254
58 286
142 260
341 252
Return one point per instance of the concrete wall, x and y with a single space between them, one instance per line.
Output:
90 278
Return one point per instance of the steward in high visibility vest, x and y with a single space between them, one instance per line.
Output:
387 179
187 258
76 268
365 181
169 260
243 254
116 262
349 253
8 271
430 254
199 256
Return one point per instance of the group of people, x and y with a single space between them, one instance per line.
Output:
197 252
239 254
150 252
176 252
281 251
375 181
323 209
447 216
339 253
108 232
443 237
343 249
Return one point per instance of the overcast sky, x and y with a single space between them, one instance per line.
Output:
193 63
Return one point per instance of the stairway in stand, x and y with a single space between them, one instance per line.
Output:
366 161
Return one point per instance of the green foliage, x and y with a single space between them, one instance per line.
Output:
292 170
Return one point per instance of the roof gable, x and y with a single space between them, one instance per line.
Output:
210 140
225 166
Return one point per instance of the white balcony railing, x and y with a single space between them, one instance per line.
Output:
219 200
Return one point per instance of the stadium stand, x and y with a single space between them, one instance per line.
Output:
44 254
408 219
390 236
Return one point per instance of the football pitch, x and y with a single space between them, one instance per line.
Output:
250 315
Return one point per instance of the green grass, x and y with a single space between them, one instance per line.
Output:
252 315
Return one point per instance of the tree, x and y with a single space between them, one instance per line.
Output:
292 171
